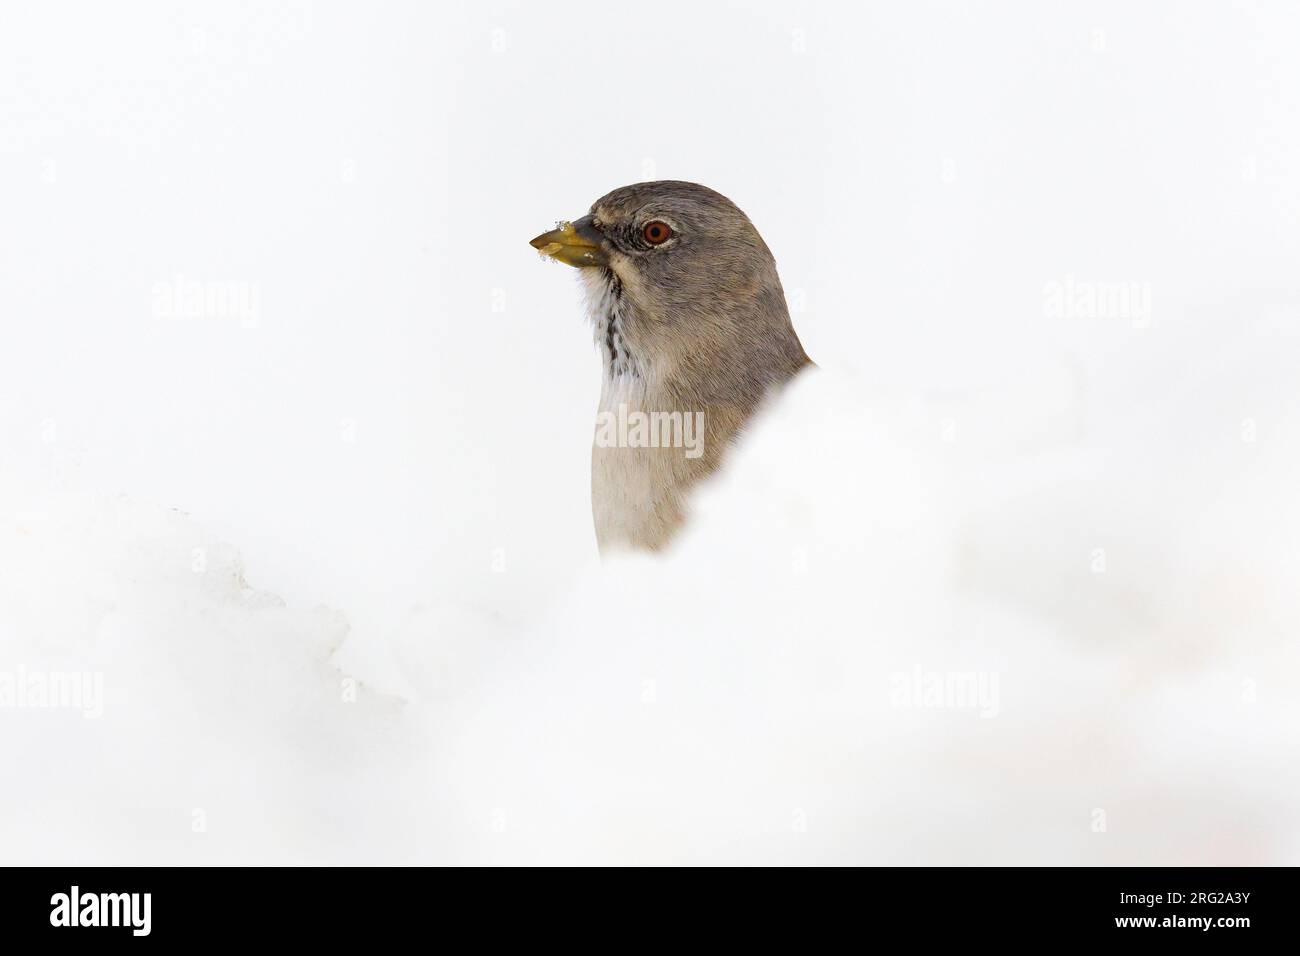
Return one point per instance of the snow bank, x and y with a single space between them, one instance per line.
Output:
903 629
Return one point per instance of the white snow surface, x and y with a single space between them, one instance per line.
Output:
737 700
331 558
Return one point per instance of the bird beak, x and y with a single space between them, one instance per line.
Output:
573 243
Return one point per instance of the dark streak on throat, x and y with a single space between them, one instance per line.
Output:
612 336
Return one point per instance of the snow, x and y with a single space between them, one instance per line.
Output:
294 444
748 699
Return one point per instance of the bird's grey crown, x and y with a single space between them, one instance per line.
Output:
664 194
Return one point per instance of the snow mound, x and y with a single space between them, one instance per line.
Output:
912 655
955 629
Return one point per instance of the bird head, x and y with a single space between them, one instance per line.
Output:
667 240
690 278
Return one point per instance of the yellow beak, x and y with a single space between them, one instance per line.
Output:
573 243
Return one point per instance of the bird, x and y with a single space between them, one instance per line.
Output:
694 335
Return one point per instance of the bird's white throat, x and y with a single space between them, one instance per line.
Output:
637 486
624 371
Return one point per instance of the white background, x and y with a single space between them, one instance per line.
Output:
402 437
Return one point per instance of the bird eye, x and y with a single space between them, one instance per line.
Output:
656 233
